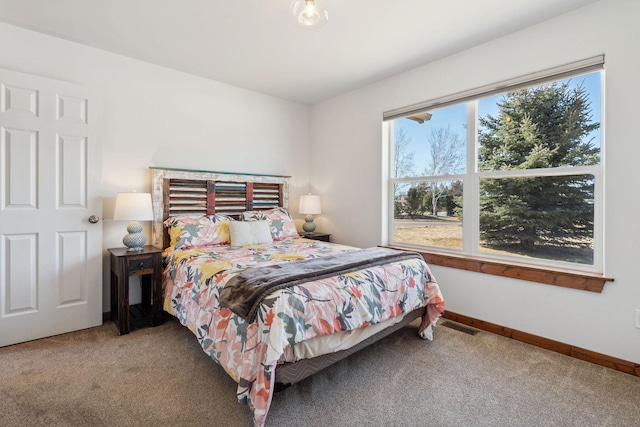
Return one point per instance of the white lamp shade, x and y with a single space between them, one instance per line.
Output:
309 204
133 207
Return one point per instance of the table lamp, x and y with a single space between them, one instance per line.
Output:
134 207
309 206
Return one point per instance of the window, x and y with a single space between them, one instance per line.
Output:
510 172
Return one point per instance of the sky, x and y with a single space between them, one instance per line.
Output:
455 117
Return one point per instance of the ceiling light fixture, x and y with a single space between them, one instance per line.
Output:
308 14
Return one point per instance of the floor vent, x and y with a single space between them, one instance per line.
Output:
460 328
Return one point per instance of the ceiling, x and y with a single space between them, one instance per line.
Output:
255 44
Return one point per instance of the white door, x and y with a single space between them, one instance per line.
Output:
50 253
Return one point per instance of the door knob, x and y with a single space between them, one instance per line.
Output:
93 219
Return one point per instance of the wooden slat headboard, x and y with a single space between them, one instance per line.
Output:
179 192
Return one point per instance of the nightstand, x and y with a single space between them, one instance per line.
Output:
147 264
316 236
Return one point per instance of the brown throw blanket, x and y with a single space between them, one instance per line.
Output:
244 292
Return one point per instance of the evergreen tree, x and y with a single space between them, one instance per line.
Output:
416 200
540 127
453 203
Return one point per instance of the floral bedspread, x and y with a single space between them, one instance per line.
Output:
249 352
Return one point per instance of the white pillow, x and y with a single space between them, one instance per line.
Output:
249 233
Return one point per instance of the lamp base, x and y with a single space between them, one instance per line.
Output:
309 226
135 240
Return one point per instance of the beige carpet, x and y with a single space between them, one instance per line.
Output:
160 377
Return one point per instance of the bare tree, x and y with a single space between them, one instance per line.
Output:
403 163
447 156
402 159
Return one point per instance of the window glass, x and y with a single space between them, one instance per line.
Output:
416 222
545 126
532 187
549 217
431 143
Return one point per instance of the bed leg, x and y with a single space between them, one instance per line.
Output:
280 386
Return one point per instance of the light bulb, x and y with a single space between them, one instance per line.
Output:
308 14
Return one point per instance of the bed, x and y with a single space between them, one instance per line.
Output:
268 305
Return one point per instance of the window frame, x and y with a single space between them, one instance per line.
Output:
472 177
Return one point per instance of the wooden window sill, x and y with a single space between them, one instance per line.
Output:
565 279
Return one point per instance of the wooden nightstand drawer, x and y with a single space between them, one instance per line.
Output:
140 264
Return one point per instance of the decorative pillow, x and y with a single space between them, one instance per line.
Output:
245 233
193 231
280 222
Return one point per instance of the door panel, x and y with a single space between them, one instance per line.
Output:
50 255
21 292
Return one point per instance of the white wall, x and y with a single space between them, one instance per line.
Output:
154 116
347 139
